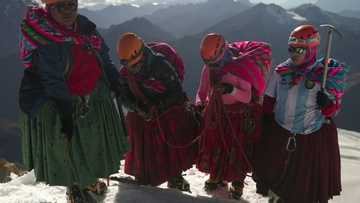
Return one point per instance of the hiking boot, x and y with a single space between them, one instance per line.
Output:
273 197
211 185
179 182
261 189
98 188
236 190
75 195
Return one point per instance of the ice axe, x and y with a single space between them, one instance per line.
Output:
330 30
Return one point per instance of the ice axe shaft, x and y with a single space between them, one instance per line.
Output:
330 30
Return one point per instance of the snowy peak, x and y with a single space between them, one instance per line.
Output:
317 16
141 26
281 15
117 14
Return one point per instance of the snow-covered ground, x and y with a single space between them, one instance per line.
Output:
25 189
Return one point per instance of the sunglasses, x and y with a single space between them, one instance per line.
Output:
65 6
297 50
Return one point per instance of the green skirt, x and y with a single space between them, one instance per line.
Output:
95 151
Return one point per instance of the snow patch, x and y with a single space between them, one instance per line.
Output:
135 5
296 16
25 189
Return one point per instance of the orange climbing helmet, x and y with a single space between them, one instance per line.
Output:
212 47
304 36
130 49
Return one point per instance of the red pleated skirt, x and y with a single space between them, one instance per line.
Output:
158 153
227 156
309 174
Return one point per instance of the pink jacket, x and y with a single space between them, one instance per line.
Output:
241 92
247 72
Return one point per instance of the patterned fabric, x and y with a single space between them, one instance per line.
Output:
253 63
295 91
295 109
336 81
39 29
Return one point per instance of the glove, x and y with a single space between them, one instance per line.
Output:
225 88
322 99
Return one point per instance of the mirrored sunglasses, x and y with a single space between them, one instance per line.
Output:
297 50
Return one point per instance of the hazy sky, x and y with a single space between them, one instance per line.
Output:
142 1
106 2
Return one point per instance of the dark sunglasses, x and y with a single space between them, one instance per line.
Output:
65 6
297 50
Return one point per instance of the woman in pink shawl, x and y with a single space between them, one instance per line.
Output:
230 91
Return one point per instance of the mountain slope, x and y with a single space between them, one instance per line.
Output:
336 5
11 72
9 81
11 13
181 20
350 13
114 15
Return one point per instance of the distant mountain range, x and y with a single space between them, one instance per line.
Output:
189 19
338 5
270 23
114 15
350 13
177 19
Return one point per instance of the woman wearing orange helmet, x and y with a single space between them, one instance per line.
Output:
161 128
298 158
231 87
70 128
